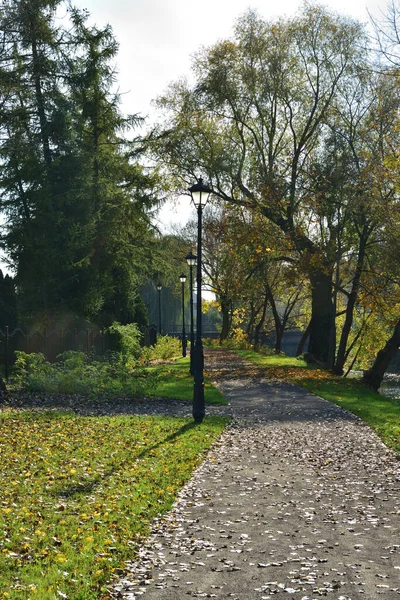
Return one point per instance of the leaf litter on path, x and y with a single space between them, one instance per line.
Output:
297 498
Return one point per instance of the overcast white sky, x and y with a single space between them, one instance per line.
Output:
158 37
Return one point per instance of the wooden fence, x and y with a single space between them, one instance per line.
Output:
52 342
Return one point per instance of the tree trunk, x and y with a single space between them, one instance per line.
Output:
250 325
3 389
338 367
373 377
260 324
279 330
303 339
226 319
322 313
279 327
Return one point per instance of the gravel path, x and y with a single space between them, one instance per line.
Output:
298 499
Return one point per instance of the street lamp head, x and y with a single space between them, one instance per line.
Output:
191 259
159 287
200 193
182 278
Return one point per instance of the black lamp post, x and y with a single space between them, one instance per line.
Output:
191 260
182 279
200 194
159 288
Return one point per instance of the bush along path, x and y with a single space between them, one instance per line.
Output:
298 499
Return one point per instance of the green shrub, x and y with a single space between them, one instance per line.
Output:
145 356
166 347
27 364
211 342
126 339
77 373
237 340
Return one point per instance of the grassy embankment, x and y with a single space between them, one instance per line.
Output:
382 414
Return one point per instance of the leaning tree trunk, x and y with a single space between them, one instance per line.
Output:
303 339
373 377
322 315
338 367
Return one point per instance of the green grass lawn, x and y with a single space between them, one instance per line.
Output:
78 494
271 360
381 413
173 380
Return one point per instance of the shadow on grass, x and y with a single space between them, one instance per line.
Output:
89 486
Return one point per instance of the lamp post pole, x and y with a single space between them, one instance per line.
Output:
159 288
200 194
191 261
182 280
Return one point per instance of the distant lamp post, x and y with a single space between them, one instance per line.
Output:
182 279
200 194
191 260
159 288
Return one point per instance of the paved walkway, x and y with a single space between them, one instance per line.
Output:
298 499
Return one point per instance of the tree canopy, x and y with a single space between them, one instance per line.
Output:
291 119
73 191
